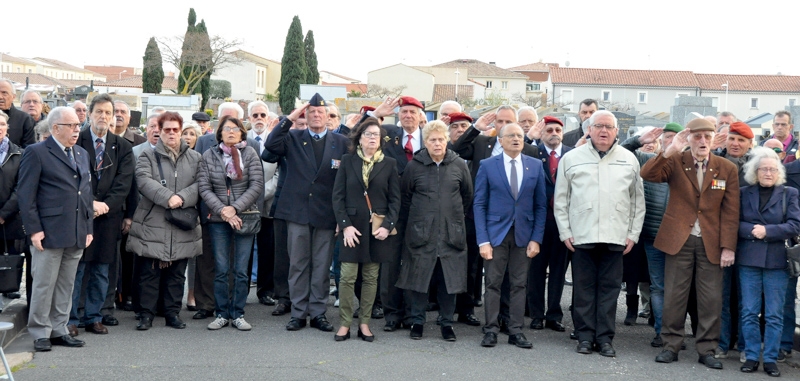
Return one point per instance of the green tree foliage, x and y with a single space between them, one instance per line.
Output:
152 69
293 66
312 76
205 81
220 89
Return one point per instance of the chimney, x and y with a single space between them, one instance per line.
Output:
492 63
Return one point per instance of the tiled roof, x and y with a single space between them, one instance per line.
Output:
64 65
443 93
537 76
111 71
34 79
340 76
360 87
536 66
612 77
8 58
481 69
749 83
253 57
169 83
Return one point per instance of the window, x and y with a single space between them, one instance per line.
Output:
605 95
714 101
488 84
642 96
566 99
533 87
505 84
792 102
754 103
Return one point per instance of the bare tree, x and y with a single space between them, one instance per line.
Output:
193 60
378 91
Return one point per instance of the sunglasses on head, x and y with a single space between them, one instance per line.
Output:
777 150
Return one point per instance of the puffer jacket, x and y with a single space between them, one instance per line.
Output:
151 236
245 193
9 207
656 195
599 200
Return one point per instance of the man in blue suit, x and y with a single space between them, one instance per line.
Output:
55 201
508 228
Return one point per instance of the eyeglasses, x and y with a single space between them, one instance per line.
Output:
768 170
71 126
80 110
333 115
31 101
231 129
552 130
604 126
514 136
371 134
777 150
170 130
262 115
527 121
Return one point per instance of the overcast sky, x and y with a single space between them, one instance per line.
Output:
355 37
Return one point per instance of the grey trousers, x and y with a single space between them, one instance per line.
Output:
53 273
310 255
513 259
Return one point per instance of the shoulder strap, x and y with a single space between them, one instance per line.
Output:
160 170
784 205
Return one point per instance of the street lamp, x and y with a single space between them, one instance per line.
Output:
457 73
122 72
725 85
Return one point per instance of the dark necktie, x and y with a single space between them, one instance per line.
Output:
409 148
514 186
260 146
316 137
98 158
69 156
553 165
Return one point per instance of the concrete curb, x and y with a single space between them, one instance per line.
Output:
16 313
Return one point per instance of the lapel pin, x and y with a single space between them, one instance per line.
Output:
304 143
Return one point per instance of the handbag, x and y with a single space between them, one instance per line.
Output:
182 218
251 219
792 249
10 269
376 219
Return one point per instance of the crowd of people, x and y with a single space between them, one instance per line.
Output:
412 217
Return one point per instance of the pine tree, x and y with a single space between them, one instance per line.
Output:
293 67
312 76
153 70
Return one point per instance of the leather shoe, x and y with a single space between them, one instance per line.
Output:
709 361
607 350
555 325
267 300
377 312
202 314
321 323
128 306
657 342
573 335
489 339
667 356
391 326
469 319
772 369
503 326
73 330
416 331
97 328
281 309
175 322
448 334
342 337
67 341
364 337
477 302
191 307
584 348
42 345
110 320
520 341
750 366
537 324
295 324
145 322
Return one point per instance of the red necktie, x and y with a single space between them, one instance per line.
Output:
409 148
553 165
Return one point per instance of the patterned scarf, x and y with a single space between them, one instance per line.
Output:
4 146
232 156
366 169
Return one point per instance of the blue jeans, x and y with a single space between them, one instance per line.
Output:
222 237
789 315
655 264
728 275
772 282
95 292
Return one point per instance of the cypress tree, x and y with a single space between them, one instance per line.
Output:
312 76
293 67
152 69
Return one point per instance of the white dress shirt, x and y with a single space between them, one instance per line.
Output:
518 166
416 142
497 149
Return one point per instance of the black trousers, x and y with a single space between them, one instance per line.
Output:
265 239
204 275
394 304
509 264
151 278
127 287
597 278
465 302
113 282
418 301
553 256
280 273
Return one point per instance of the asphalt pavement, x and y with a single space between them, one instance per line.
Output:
271 352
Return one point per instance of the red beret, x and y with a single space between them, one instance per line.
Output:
739 128
459 116
551 119
410 101
364 109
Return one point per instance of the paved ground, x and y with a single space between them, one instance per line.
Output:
271 352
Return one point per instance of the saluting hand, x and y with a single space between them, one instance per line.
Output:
650 136
483 123
386 108
535 132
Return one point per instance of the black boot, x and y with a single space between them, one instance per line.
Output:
632 301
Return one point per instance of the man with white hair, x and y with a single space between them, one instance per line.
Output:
447 108
20 124
122 116
527 118
33 105
80 110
